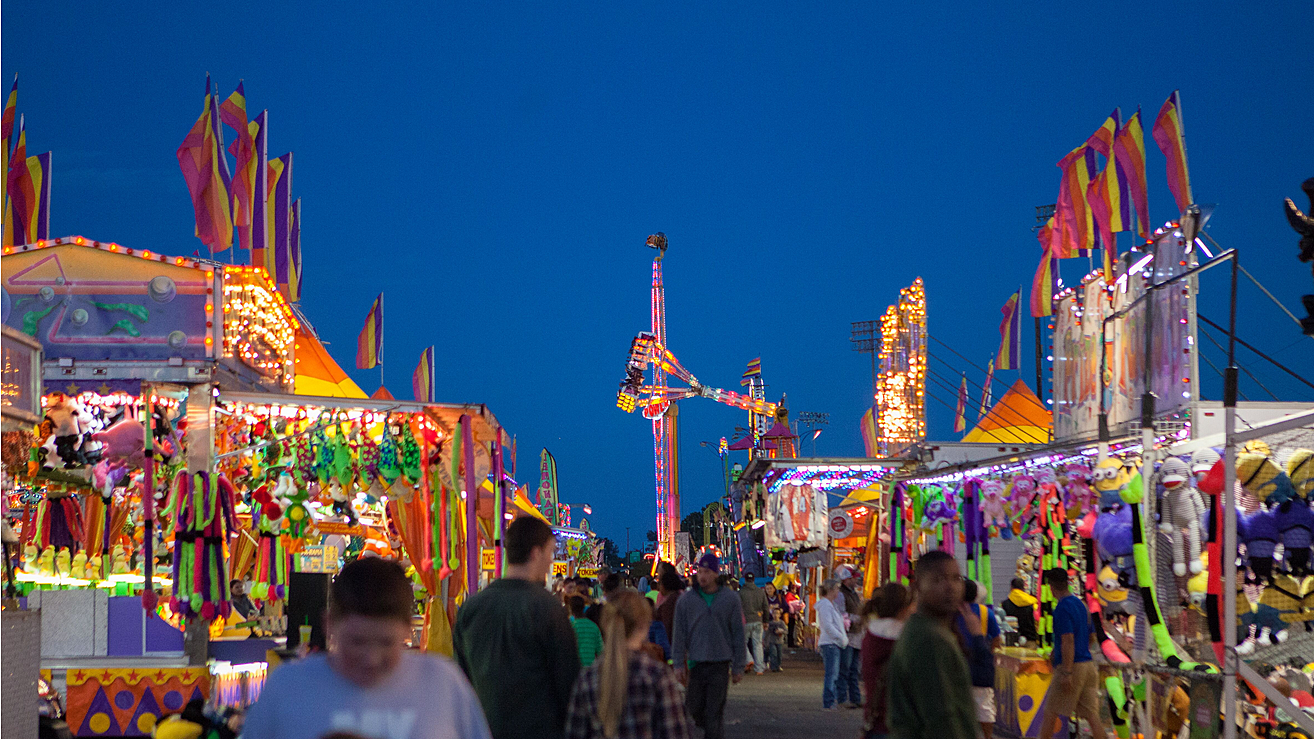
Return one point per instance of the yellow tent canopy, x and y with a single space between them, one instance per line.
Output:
1018 418
318 374
523 504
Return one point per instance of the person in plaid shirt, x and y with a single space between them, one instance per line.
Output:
626 694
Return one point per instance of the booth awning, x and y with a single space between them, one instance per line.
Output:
317 372
1018 418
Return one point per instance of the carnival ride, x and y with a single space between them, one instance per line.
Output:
648 350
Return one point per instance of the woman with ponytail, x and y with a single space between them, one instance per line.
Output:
626 694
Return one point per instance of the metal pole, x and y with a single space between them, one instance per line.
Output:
1040 392
1229 522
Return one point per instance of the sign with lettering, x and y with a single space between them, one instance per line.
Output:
559 569
318 559
587 572
487 559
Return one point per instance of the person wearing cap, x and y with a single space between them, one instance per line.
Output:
708 647
848 684
755 616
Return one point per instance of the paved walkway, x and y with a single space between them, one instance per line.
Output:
787 705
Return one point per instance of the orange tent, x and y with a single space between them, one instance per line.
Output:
318 374
1018 418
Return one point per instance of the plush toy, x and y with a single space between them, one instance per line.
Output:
1022 491
1081 497
1197 587
119 560
1202 461
1260 476
992 504
1183 511
31 558
78 568
1109 477
95 569
1113 538
46 562
1286 596
63 562
1112 595
1261 539
1295 522
1300 470
124 440
63 413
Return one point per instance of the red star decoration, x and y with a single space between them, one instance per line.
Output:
159 676
105 676
132 676
80 676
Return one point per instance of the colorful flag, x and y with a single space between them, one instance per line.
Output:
868 426
38 168
369 345
422 380
203 168
1171 136
1044 284
273 247
1074 230
22 193
282 217
754 370
987 395
1129 152
261 254
1105 200
242 187
7 134
293 294
1010 334
960 413
1102 140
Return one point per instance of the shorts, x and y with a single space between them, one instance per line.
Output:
984 698
1084 693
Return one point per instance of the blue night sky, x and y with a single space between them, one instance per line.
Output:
496 170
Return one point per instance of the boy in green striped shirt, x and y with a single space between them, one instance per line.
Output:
587 635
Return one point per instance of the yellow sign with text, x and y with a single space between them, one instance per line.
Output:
559 569
487 559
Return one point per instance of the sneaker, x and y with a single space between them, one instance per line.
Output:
852 706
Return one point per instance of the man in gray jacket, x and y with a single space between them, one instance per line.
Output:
708 646
755 617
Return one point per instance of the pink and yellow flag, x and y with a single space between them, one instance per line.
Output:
22 194
1129 152
868 427
369 345
7 136
1074 230
1043 285
242 189
986 393
1010 334
1171 137
960 413
422 380
203 168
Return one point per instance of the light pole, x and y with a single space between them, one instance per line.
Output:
864 337
813 421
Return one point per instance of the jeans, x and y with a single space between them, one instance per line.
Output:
830 658
773 656
754 632
848 685
708 684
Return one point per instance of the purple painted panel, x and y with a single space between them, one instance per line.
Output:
125 639
160 636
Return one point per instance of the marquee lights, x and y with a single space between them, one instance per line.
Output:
259 328
901 382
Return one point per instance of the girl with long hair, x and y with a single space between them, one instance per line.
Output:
626 694
884 614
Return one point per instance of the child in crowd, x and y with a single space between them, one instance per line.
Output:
775 638
588 637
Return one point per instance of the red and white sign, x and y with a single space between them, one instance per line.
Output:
840 524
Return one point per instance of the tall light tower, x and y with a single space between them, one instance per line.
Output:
663 417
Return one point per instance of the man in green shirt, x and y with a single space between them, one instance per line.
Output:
930 687
587 634
515 642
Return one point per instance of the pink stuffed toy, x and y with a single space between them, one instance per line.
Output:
992 504
124 440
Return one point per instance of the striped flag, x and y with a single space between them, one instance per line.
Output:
1074 229
1102 140
754 370
369 345
1171 137
281 213
293 294
261 255
986 395
1105 201
1129 151
203 167
38 170
7 135
1010 334
422 380
275 172
22 194
960 413
242 188
1044 284
868 426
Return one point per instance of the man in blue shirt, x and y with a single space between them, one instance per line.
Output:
1075 686
979 632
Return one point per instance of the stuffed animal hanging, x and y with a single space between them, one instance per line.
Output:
1183 512
1260 476
1300 470
1260 534
203 516
1081 498
991 494
1295 523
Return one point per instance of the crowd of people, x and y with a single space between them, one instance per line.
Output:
565 661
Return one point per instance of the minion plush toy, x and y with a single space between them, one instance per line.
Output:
1109 476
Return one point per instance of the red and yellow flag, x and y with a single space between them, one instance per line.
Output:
1129 152
960 413
369 345
1010 334
1074 230
7 135
422 378
1171 137
1043 285
242 190
19 220
202 168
